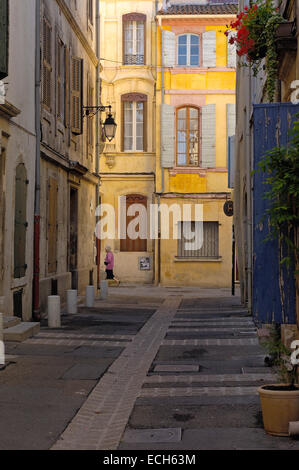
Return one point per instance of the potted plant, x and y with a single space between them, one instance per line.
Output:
255 39
280 402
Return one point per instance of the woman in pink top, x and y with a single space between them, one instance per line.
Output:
109 263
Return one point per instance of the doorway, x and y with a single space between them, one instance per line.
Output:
73 242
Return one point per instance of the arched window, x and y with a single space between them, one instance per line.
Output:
134 39
188 50
188 136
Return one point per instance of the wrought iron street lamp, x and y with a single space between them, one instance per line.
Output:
109 125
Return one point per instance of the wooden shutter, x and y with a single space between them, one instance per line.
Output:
231 130
231 119
138 245
145 126
208 135
231 51
168 51
52 225
231 162
210 247
67 87
167 135
60 78
47 64
209 49
20 222
4 28
76 95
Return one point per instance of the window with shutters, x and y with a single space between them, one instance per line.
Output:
52 225
60 82
188 50
76 95
210 247
90 120
20 222
129 244
66 87
4 29
47 64
188 136
134 39
134 122
231 50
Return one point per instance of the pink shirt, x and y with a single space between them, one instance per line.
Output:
110 260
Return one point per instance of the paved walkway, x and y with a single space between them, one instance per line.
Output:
150 368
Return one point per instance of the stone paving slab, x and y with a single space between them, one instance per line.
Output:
96 351
208 378
212 342
176 368
87 371
221 439
197 391
200 334
220 330
74 342
152 435
101 421
195 416
199 401
61 335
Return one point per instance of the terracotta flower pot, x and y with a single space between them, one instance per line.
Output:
280 405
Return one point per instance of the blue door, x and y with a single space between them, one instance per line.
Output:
274 294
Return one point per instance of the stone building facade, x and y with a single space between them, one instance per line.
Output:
17 155
251 91
127 168
50 165
68 146
195 117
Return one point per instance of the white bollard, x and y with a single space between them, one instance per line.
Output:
1 326
104 289
89 298
294 428
72 301
54 315
2 348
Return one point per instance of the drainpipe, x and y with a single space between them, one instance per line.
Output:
36 262
163 170
249 150
98 123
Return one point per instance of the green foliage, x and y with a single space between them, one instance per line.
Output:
280 355
261 22
282 167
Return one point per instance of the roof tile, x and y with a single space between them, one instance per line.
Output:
215 7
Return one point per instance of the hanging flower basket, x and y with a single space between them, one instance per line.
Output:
255 39
257 54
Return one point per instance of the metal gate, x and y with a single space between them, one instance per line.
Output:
272 282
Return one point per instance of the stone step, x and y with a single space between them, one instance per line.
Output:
10 321
21 332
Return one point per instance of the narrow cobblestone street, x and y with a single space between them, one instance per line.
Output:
150 368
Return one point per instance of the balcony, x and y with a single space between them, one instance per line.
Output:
134 59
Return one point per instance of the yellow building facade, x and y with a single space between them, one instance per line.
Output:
128 163
151 94
196 92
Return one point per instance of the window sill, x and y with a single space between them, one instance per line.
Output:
197 260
